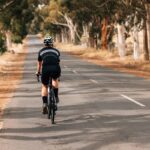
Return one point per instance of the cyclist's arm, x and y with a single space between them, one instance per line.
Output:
58 56
39 63
39 66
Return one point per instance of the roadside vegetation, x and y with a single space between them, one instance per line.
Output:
127 64
104 30
113 33
103 25
15 19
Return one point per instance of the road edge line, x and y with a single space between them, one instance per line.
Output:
132 100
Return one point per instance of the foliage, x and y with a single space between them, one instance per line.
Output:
32 16
2 44
15 15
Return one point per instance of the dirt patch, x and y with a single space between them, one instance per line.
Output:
11 68
110 59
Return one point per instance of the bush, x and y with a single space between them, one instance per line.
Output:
16 39
2 43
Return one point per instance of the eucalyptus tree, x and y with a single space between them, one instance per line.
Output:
129 15
148 23
146 42
4 23
63 13
92 18
87 16
15 15
78 17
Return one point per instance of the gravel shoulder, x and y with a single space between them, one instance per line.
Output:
111 60
11 68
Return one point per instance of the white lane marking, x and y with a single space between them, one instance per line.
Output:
68 60
94 81
75 72
132 100
1 125
65 67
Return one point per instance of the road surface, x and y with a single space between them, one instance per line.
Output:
99 109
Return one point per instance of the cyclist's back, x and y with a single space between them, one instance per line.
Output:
48 65
49 56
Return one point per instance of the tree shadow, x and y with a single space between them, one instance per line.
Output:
97 130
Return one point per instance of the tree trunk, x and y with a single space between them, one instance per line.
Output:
8 40
72 34
136 50
85 36
104 34
148 24
58 38
145 43
64 36
121 40
72 28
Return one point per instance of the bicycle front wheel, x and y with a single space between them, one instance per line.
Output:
52 115
53 108
49 111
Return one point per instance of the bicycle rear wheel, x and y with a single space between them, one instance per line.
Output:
49 111
52 115
53 108
49 105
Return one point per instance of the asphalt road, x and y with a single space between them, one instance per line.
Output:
99 109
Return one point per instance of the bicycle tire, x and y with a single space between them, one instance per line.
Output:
52 115
49 111
49 105
53 109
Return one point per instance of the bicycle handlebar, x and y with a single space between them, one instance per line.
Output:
38 77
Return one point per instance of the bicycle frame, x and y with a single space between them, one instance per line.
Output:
51 106
51 102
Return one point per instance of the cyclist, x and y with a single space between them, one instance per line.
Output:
48 66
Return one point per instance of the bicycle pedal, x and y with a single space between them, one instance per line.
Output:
45 110
55 107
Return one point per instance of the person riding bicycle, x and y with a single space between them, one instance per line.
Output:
48 66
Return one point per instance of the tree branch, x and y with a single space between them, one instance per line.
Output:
6 5
103 4
59 23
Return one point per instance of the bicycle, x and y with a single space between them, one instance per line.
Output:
51 105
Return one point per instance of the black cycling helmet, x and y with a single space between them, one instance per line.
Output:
48 41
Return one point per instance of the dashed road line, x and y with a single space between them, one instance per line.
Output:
94 81
132 100
1 125
65 67
74 71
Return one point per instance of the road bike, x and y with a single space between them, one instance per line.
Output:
51 104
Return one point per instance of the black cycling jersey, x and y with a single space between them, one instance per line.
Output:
49 56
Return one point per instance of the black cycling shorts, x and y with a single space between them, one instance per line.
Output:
50 71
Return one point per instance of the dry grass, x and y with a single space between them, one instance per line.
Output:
110 59
10 74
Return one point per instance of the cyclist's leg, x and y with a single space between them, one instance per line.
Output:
44 91
45 80
44 94
55 84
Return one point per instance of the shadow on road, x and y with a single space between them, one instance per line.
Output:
96 123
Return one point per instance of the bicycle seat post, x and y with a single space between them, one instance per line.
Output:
50 82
